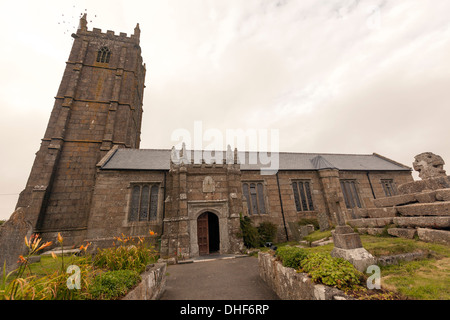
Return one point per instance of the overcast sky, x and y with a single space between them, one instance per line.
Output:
332 76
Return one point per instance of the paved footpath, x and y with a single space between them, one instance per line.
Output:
217 279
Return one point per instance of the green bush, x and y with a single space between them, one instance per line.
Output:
331 271
249 233
314 222
291 257
114 284
266 232
255 237
321 267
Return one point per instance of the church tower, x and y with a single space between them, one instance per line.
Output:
98 106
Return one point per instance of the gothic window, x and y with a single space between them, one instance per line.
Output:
254 194
350 192
388 187
144 202
302 195
103 55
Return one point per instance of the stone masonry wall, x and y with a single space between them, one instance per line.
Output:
285 178
110 206
288 284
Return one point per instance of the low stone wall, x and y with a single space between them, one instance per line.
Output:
291 285
152 285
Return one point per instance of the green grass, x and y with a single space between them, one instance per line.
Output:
49 265
317 235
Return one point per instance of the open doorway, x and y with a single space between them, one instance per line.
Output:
208 233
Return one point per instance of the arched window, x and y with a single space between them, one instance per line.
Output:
103 55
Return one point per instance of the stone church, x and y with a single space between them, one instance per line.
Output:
91 182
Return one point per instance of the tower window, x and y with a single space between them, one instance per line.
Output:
103 55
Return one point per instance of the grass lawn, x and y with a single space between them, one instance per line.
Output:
49 265
426 279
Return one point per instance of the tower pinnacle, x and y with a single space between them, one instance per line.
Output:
83 23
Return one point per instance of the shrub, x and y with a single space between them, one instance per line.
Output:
291 257
249 233
321 267
266 232
331 271
255 237
114 284
314 222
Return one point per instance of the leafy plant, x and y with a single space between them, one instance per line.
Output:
321 267
314 222
266 232
249 233
114 284
291 257
130 254
255 237
331 271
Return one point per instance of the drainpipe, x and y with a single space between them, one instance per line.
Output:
370 183
282 211
163 209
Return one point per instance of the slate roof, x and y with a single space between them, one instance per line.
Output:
159 159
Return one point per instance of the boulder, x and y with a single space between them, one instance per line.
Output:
429 165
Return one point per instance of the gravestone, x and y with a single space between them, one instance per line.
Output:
348 245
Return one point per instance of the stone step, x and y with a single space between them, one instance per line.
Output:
436 236
371 231
375 212
381 212
440 208
370 222
402 232
443 194
425 196
434 222
394 200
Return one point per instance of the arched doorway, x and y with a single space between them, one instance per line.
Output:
208 233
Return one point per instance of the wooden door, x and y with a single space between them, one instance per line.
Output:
202 234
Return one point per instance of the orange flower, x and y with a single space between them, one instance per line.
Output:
60 238
152 233
54 255
21 259
45 245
